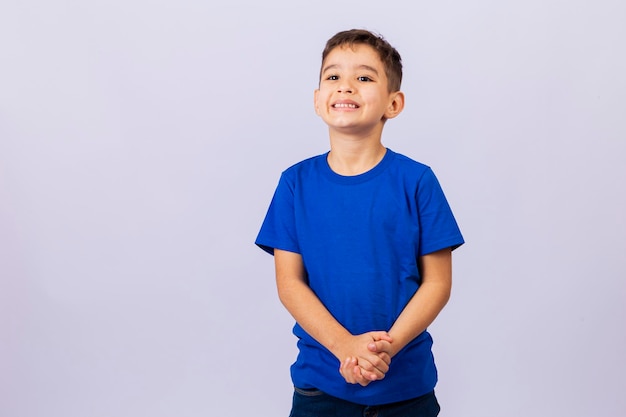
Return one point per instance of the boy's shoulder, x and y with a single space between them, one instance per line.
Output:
308 163
409 162
408 167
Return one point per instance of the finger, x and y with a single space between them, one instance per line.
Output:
370 376
382 351
381 336
372 372
376 363
347 370
385 357
362 376
379 346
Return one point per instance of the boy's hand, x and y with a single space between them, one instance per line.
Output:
367 359
381 346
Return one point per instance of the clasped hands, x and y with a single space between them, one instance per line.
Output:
366 357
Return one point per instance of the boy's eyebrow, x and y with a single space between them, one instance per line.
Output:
362 66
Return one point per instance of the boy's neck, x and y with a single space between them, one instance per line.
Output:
354 157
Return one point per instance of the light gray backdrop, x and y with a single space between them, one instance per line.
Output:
141 141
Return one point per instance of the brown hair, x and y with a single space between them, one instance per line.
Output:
388 54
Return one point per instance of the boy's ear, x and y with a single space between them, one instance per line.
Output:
396 105
317 107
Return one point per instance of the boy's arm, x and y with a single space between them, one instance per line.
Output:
426 304
307 309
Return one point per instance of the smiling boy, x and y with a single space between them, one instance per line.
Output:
362 240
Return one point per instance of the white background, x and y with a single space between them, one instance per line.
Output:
140 144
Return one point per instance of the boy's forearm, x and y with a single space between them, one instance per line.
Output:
312 315
418 314
427 302
304 305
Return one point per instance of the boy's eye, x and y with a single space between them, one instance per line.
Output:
333 77
364 78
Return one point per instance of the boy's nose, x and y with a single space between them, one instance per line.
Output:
345 87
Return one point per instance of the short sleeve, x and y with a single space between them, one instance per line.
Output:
278 230
438 227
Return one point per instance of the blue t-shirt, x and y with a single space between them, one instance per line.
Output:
360 238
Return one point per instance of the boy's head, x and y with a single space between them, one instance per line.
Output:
388 55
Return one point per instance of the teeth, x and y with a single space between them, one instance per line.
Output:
345 105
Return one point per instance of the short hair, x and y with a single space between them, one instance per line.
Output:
388 54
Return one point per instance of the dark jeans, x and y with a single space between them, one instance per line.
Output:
315 403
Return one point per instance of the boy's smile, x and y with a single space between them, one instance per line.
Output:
353 97
345 104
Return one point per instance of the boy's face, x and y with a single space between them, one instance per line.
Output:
353 95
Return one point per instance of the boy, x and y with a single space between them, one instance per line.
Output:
362 240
